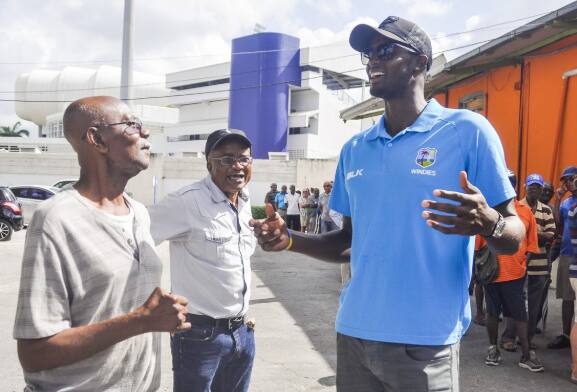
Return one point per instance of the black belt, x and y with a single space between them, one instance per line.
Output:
227 323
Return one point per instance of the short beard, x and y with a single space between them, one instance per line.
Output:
386 94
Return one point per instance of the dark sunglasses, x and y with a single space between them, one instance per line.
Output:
383 52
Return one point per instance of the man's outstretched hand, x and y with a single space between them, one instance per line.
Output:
271 233
470 216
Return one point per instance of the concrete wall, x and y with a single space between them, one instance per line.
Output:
168 173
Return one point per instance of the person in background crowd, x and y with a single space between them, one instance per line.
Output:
314 222
572 223
538 268
505 294
563 289
293 215
305 205
547 193
280 201
402 315
476 288
327 223
211 243
88 304
270 197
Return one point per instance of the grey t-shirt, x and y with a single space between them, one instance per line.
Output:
81 267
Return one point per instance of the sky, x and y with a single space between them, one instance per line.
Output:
174 35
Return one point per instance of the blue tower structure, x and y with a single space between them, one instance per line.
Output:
262 67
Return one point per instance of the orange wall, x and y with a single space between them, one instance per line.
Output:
441 98
544 92
541 90
501 105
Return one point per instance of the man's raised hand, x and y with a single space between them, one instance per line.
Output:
471 215
271 233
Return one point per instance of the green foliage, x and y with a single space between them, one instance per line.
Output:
258 212
13 131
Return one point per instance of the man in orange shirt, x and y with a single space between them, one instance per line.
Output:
505 294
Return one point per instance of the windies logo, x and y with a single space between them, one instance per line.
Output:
426 157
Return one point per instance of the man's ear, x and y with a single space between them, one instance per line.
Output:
421 63
94 139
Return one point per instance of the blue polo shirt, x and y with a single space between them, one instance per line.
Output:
567 205
410 282
280 200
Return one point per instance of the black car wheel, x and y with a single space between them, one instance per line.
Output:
5 230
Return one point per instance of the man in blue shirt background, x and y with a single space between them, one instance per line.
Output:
564 291
401 185
281 202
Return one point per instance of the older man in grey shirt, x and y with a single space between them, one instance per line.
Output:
207 224
86 318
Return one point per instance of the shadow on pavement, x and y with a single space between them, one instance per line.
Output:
308 289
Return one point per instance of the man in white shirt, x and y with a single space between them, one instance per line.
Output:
293 213
211 242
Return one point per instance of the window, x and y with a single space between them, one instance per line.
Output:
5 194
474 102
21 192
39 194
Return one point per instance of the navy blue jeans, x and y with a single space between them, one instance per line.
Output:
209 359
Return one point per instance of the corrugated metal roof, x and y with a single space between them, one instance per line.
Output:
506 49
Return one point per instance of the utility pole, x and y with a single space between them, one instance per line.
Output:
126 75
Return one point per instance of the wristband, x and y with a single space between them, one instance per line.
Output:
290 244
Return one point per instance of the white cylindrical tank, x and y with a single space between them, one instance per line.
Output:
60 88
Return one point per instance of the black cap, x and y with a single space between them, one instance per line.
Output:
396 29
217 137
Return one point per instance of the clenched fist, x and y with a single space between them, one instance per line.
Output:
164 312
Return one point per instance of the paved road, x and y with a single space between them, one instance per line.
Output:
294 304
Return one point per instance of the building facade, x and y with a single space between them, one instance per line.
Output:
286 98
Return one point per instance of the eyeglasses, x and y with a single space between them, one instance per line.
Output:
229 161
132 126
383 52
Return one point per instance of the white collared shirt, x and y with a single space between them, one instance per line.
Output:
292 202
210 247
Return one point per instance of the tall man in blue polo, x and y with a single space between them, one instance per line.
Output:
211 242
402 185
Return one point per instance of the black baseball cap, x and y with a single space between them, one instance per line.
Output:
396 29
219 136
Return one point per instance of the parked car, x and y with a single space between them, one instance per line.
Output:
30 196
10 214
65 184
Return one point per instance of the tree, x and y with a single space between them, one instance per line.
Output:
14 131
